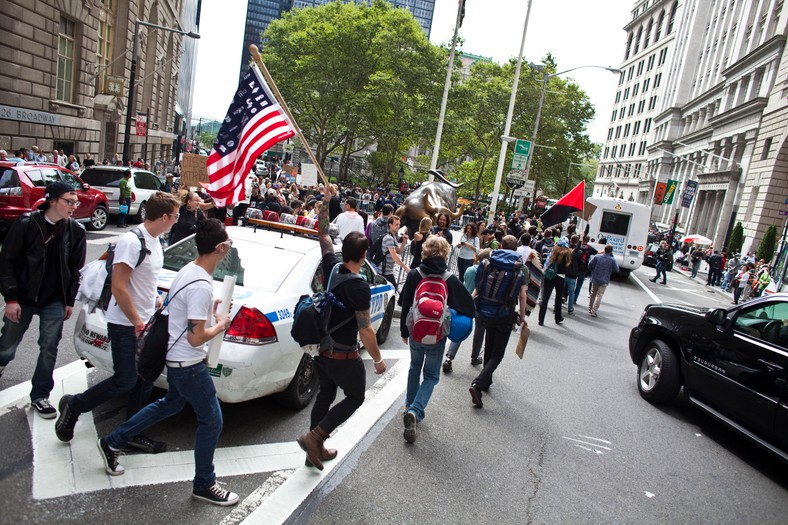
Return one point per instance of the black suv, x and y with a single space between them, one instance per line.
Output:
733 364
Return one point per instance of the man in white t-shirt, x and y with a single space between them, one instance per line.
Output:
193 322
135 270
349 220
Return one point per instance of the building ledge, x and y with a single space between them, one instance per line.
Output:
772 46
55 105
754 106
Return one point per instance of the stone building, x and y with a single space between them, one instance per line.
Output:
720 126
66 65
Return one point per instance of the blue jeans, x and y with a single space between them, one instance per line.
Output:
123 217
462 266
123 342
661 270
579 286
570 285
424 359
194 385
49 332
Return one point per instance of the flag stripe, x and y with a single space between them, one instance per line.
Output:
254 123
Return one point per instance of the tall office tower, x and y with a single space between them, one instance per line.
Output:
260 13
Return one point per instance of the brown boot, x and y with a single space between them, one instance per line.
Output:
312 444
326 454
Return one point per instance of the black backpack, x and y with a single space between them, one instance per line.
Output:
106 291
312 314
582 259
152 342
378 256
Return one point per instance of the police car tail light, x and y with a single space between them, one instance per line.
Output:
251 327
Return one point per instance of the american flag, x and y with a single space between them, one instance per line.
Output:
254 123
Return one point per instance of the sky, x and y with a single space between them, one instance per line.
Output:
576 32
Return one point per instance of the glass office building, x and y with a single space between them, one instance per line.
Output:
260 13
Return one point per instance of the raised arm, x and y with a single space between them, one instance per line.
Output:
326 244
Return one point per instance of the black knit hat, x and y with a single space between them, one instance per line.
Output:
55 190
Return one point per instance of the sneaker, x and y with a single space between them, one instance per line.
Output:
476 395
476 361
44 408
146 444
447 366
216 495
110 458
64 426
593 314
409 420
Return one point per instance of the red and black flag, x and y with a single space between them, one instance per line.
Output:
569 203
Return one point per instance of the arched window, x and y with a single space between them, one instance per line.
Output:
648 34
637 40
660 21
672 19
629 46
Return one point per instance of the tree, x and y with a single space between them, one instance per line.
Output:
737 239
766 249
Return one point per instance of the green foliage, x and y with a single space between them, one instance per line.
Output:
737 238
768 243
207 139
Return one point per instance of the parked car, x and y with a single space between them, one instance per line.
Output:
22 187
107 179
732 364
259 356
650 259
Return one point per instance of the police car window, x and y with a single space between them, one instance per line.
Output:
768 322
317 280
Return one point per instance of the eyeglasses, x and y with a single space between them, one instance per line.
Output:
174 215
228 242
72 202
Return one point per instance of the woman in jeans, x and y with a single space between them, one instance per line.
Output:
469 245
562 258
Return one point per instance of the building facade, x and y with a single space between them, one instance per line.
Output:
260 13
719 128
64 84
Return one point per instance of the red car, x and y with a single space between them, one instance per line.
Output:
22 187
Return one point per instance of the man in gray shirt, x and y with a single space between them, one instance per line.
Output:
393 251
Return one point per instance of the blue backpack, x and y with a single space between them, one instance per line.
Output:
312 314
498 283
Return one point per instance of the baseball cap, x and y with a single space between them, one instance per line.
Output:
271 191
563 242
55 190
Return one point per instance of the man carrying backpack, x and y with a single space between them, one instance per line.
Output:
341 367
429 291
133 301
378 228
544 247
583 254
39 275
500 284
392 251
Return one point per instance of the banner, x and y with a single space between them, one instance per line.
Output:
670 191
193 170
659 193
142 124
689 193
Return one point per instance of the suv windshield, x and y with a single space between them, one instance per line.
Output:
99 177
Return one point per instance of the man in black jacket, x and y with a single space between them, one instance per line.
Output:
39 275
664 255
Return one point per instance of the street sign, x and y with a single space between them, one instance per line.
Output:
784 213
515 179
521 151
689 193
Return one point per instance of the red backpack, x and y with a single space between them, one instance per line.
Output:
428 319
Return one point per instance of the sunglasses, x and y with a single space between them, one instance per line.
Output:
228 242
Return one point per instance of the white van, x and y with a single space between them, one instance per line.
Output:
622 224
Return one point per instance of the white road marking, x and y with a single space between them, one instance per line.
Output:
649 494
63 469
645 288
587 443
596 439
282 503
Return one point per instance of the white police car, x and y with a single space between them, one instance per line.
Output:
273 269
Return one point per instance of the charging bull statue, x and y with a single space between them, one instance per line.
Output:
430 200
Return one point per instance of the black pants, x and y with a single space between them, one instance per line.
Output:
351 377
497 333
556 283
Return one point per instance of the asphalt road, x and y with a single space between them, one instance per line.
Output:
563 437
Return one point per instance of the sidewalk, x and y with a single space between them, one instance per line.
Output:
703 274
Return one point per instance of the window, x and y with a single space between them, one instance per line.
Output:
607 152
631 109
626 130
618 96
636 128
65 60
103 52
615 150
630 73
9 183
612 118
615 223
672 19
641 106
767 144
640 67
648 34
642 150
632 149
650 65
647 126
645 84
660 21
621 113
765 322
626 93
146 181
662 56
610 134
635 90
637 40
657 80
618 132
49 175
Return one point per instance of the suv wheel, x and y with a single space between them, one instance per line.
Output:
98 220
658 373
142 214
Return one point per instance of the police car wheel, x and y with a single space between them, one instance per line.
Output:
385 325
303 386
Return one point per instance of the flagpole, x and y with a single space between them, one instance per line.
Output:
264 70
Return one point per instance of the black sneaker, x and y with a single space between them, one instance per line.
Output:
476 361
146 444
447 366
44 408
64 426
476 395
110 458
216 495
409 419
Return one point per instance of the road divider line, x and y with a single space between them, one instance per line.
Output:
645 289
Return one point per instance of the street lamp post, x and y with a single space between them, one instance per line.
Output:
133 77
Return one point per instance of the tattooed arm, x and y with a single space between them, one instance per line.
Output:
197 334
326 244
369 340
